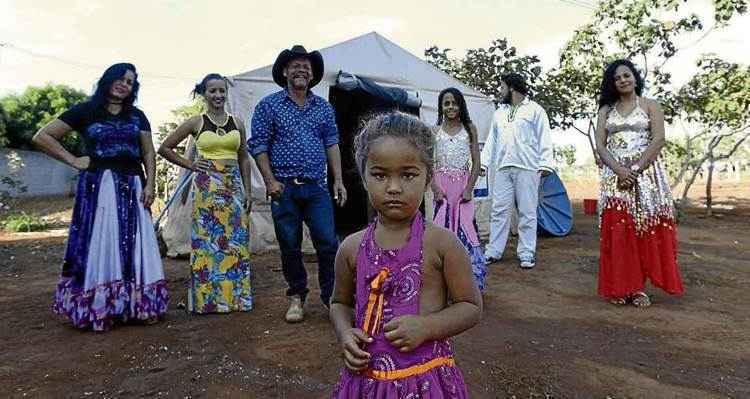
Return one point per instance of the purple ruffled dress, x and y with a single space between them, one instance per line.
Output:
391 281
112 270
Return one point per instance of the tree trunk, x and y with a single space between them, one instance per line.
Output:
685 164
689 183
709 179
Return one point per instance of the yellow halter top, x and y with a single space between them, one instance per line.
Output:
215 141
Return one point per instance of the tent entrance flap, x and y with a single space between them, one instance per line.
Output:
353 104
398 97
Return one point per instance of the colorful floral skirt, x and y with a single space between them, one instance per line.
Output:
458 216
220 257
112 269
638 236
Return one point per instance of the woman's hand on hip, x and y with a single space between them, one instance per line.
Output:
81 163
201 165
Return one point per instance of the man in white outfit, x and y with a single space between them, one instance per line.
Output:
519 151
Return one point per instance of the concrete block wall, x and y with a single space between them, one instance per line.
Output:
40 174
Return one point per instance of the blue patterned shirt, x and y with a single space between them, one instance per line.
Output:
294 137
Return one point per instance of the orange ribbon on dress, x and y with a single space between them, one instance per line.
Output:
375 300
410 371
375 309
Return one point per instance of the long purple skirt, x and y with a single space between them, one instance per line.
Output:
458 217
112 269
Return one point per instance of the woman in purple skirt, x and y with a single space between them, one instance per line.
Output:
403 286
112 270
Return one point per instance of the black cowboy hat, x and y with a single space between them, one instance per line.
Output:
316 60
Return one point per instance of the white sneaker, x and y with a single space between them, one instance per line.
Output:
528 264
295 313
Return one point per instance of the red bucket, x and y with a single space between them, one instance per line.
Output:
589 206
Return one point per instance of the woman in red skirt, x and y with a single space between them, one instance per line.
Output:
637 221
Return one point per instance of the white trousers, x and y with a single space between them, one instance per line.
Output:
519 186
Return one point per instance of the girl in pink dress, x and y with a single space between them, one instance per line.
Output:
403 286
456 170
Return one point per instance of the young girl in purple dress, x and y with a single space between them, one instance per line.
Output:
403 286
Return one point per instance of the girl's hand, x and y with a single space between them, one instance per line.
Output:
81 163
438 194
406 332
147 196
201 165
468 194
248 205
355 358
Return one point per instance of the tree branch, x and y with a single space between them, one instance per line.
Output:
700 39
735 147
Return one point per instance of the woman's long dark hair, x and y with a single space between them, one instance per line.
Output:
608 94
116 71
463 112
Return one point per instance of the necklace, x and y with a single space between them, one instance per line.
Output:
513 111
219 127
451 131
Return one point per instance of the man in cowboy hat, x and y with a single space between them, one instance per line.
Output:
294 137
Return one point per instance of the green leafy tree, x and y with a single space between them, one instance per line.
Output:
717 100
35 107
564 154
619 29
647 32
482 68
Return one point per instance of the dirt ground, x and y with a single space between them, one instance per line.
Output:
544 333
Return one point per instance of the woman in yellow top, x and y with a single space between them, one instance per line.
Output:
219 260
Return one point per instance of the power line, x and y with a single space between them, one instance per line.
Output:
580 3
78 64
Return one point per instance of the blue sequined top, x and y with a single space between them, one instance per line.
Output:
107 136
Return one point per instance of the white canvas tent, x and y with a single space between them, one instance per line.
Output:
370 56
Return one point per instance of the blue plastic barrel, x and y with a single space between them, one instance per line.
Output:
554 213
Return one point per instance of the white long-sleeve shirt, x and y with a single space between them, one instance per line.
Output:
523 141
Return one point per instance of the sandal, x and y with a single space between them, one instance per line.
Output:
640 300
619 301
490 260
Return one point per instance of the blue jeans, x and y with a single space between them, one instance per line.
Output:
311 203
